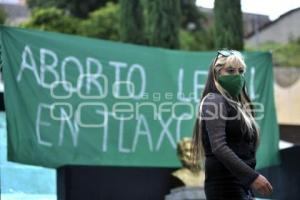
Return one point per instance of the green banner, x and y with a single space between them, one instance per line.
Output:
81 101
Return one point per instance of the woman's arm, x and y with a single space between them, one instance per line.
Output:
214 112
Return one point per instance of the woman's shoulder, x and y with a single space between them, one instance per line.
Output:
214 97
214 107
215 102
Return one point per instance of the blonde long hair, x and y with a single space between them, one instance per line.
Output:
242 104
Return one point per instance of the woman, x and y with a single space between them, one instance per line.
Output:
227 134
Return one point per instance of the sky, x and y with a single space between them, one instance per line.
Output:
9 1
273 8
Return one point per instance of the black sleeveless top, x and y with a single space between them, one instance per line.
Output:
229 151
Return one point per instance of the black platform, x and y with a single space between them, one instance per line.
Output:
285 178
113 183
134 183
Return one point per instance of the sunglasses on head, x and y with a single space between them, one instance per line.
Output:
226 53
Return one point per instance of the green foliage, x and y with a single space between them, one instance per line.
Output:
163 23
196 40
287 55
228 24
268 46
132 22
284 55
195 37
52 19
78 8
2 15
32 4
190 14
103 23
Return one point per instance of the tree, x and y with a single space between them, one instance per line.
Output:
163 23
132 21
52 19
201 40
33 4
103 23
77 8
2 15
228 24
191 17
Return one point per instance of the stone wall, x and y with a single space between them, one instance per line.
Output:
287 95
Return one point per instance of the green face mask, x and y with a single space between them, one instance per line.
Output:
233 84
